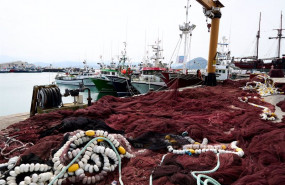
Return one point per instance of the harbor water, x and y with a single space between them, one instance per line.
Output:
16 91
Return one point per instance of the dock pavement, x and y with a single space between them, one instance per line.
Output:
6 121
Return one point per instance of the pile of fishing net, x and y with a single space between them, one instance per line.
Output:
190 127
276 73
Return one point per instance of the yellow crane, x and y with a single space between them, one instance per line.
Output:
212 11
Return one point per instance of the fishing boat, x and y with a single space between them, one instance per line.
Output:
223 61
122 82
77 78
4 70
122 85
178 79
24 70
102 82
150 80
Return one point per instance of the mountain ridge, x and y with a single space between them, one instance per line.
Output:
196 63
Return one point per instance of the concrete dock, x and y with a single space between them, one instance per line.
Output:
6 121
274 100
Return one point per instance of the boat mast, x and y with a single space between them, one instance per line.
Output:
186 30
257 37
124 54
157 53
279 36
186 37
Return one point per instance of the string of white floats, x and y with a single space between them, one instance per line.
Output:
197 148
82 158
264 89
266 113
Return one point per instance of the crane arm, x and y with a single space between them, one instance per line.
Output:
211 8
209 4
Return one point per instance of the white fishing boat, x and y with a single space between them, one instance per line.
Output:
225 66
149 78
83 77
223 61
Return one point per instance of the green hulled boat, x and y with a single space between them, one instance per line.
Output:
102 83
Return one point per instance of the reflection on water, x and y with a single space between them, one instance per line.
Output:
70 99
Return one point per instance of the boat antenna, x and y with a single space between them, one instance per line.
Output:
186 30
127 29
258 37
124 54
279 36
230 34
157 49
145 51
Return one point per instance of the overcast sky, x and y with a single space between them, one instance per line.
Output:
74 30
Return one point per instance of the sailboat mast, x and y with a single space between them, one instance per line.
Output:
257 37
279 36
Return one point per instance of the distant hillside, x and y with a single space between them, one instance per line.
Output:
16 64
196 63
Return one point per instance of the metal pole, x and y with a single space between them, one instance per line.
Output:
211 81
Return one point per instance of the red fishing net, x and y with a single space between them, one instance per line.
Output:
215 113
276 73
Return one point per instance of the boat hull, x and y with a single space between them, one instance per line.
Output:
177 80
144 87
23 71
121 85
103 85
53 70
88 82
69 82
253 65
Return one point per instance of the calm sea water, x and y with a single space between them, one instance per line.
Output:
16 91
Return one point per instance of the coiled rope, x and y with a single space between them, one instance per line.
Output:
79 154
49 97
